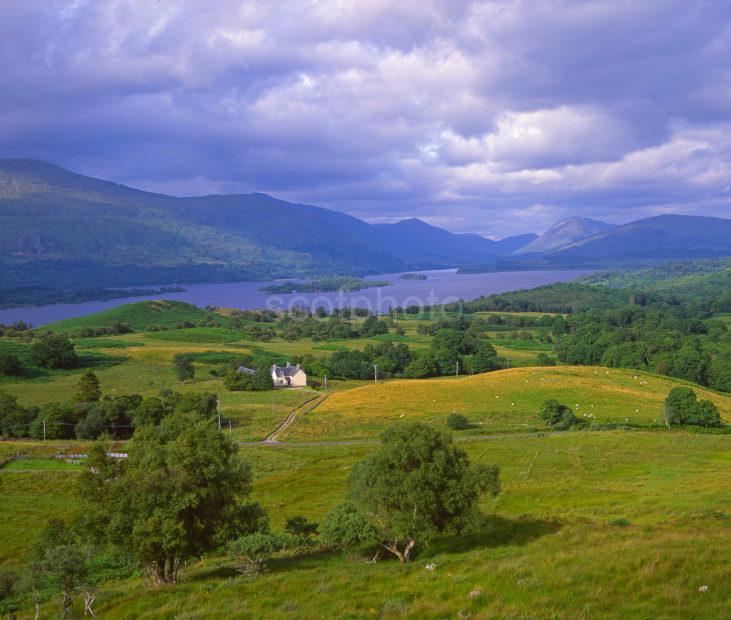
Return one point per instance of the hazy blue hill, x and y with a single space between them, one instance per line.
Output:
422 245
660 237
564 233
511 244
66 229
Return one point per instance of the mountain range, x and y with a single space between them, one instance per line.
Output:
62 229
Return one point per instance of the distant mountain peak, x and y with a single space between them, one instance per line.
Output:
563 233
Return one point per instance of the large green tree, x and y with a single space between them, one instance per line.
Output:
88 389
416 485
182 491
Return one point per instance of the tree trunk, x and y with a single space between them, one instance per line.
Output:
65 603
403 556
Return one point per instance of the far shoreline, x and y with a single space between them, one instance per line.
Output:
244 294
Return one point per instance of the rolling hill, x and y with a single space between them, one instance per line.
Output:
497 402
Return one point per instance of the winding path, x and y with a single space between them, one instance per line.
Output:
306 407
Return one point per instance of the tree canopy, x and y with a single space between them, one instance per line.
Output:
416 485
182 492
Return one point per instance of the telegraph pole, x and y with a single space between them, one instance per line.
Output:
218 412
375 373
456 369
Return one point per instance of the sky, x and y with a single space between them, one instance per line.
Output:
491 117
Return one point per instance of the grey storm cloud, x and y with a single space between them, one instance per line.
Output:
494 117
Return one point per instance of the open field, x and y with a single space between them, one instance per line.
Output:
501 401
549 547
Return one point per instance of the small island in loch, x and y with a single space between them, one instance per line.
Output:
412 276
325 285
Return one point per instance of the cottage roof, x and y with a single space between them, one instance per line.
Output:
286 371
245 370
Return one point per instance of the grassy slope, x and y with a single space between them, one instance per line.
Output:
548 550
507 400
138 315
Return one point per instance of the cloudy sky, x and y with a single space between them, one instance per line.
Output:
492 117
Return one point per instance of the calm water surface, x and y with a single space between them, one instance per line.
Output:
443 286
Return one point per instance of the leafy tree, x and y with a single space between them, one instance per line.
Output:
557 416
60 420
241 381
183 367
10 364
683 407
350 365
54 352
14 419
59 562
373 326
91 425
707 414
457 421
88 389
119 413
150 412
486 359
418 484
422 365
719 373
448 347
679 405
182 492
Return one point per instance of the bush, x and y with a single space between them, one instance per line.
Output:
345 526
251 553
545 360
558 416
10 364
457 421
183 367
300 526
683 407
54 352
244 382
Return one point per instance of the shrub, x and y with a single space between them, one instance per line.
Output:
10 364
344 526
545 360
457 421
243 382
683 407
707 414
558 416
54 352
251 553
300 526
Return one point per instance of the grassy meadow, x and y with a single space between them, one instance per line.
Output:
496 402
589 524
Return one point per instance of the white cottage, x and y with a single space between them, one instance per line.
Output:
289 376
